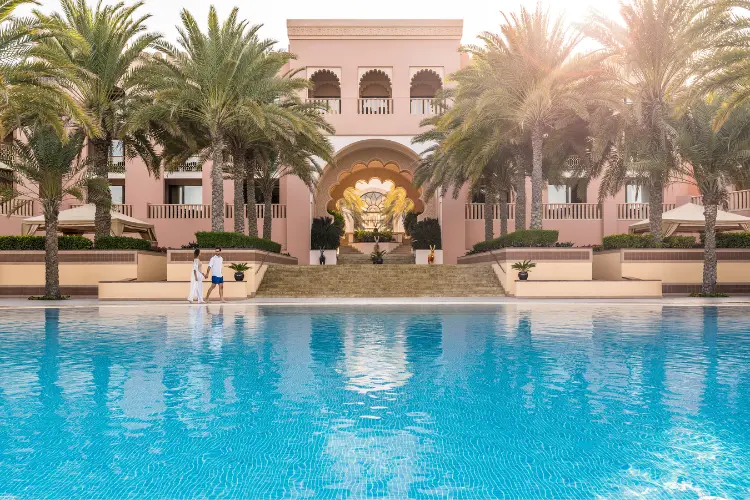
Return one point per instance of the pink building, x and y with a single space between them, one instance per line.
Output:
378 78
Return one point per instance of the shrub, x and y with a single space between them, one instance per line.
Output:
524 238
410 222
617 241
121 243
37 243
339 221
325 234
731 240
425 233
362 236
206 239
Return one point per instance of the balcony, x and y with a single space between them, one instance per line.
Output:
277 211
191 169
571 211
116 167
375 106
173 211
328 106
738 200
637 211
475 211
426 107
17 207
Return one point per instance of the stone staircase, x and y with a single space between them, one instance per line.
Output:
400 255
368 280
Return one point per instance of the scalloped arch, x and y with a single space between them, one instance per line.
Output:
425 72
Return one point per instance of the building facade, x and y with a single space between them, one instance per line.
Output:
378 79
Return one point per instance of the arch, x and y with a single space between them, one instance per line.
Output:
325 85
375 84
425 84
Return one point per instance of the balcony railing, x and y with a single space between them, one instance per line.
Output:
17 207
739 200
332 106
426 106
375 106
638 211
117 165
571 211
174 211
123 209
475 211
277 211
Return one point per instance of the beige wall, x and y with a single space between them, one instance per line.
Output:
607 265
588 289
152 266
162 290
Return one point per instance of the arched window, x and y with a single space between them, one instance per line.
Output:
326 90
375 97
424 86
372 212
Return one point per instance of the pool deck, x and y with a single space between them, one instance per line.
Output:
18 303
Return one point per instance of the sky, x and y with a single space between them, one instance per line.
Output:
478 15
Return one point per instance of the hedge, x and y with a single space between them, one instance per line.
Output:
121 243
37 243
731 240
617 241
339 221
524 238
362 236
425 233
206 239
410 222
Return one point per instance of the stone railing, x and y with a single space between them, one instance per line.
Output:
174 211
637 211
375 106
739 200
277 211
426 106
330 105
571 211
17 207
475 211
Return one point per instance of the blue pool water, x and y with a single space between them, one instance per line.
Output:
540 401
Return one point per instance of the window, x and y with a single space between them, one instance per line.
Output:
118 194
117 152
573 191
275 195
635 193
185 195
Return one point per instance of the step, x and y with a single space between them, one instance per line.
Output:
387 280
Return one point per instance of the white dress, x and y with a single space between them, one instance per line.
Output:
196 284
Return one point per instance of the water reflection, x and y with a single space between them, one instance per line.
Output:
542 401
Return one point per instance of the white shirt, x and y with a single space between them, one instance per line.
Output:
215 264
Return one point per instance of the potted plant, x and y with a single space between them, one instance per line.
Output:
523 269
239 270
377 256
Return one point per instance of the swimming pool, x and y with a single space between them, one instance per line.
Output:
516 401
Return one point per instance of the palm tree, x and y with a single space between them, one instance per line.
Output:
654 54
352 206
48 169
216 82
530 79
33 84
715 159
396 205
105 45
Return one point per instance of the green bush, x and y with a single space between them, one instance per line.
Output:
339 221
37 243
524 238
617 241
325 234
121 243
425 233
410 221
206 239
362 236
731 240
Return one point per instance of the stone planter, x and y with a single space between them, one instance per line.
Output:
421 256
330 255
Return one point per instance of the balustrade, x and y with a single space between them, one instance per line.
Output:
375 106
17 207
173 211
572 211
638 211
328 106
277 211
475 211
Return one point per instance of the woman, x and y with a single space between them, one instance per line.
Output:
196 279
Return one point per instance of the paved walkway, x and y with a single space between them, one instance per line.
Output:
18 303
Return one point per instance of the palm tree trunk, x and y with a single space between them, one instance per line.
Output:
503 212
536 177
217 184
520 187
709 251
656 207
101 196
51 270
267 215
238 158
489 214
252 217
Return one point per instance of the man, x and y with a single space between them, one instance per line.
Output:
214 267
